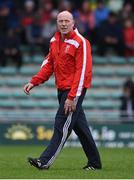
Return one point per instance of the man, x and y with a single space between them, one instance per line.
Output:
112 36
127 101
70 60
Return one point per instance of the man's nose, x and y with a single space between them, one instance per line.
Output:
64 23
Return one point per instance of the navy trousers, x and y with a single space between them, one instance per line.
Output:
63 126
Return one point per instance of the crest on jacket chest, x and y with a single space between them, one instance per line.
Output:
67 48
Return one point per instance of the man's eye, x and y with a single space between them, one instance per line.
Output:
61 21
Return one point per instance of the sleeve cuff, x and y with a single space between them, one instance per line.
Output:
70 98
34 82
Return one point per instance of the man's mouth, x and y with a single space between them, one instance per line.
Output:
64 29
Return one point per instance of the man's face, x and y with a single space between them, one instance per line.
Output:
65 23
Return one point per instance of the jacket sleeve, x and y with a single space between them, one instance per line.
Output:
83 70
45 72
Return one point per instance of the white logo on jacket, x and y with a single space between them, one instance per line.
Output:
67 48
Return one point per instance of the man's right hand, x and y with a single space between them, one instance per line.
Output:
27 88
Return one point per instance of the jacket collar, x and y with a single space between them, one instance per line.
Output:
69 36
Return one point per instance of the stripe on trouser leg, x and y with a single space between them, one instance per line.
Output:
65 133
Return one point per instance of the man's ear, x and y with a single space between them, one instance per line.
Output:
73 24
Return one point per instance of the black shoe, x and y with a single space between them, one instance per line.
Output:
37 163
89 167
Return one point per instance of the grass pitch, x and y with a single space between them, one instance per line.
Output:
117 163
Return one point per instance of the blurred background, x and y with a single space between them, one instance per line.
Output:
26 28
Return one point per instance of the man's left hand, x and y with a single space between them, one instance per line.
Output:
69 106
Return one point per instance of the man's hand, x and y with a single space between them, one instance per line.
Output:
27 88
69 106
